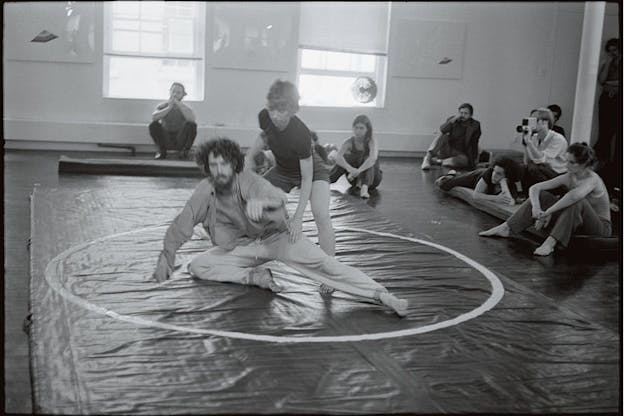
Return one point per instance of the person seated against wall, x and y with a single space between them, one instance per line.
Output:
583 209
556 111
544 149
500 183
458 143
358 158
173 125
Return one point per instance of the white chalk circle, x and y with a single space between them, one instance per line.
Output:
54 269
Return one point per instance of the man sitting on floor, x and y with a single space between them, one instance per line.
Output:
458 143
173 124
246 219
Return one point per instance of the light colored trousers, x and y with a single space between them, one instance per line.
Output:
220 265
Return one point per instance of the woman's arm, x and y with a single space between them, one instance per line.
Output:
534 191
573 195
256 147
506 196
480 192
340 160
373 153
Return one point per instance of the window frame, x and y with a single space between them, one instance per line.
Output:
379 75
199 53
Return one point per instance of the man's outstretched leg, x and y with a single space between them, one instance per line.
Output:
241 265
310 260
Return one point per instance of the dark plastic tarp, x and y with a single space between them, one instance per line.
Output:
106 339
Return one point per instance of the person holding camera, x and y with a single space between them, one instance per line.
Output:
544 149
583 209
458 143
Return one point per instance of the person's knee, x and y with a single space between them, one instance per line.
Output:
199 267
331 266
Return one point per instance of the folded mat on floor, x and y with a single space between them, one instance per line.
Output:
504 211
106 339
129 166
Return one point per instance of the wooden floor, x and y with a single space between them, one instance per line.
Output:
588 285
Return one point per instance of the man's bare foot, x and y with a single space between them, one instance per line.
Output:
326 290
398 305
263 277
501 230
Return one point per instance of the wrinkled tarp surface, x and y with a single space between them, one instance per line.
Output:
89 354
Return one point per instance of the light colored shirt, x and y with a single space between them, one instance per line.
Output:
553 149
224 218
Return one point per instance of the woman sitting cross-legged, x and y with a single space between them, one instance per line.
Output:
500 183
358 158
583 209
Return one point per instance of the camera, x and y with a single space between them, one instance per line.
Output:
528 124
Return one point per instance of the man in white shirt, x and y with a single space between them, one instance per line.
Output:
544 149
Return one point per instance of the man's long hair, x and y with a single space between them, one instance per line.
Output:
220 146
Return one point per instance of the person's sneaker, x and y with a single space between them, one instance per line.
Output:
426 163
398 305
263 277
160 156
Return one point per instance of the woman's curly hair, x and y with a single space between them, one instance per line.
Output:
220 146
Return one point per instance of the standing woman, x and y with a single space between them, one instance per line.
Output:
584 209
296 162
358 157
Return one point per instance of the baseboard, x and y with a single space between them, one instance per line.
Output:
60 135
141 148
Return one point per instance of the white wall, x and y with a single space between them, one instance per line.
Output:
517 56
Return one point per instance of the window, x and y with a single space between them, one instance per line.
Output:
150 44
327 78
334 52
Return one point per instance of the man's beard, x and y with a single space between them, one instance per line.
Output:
222 187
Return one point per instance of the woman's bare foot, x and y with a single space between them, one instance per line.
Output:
501 230
547 247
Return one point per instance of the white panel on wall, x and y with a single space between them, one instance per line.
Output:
427 49
50 31
253 36
345 26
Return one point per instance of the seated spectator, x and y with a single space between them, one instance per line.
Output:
583 209
556 111
358 158
318 147
500 183
458 143
544 149
173 124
